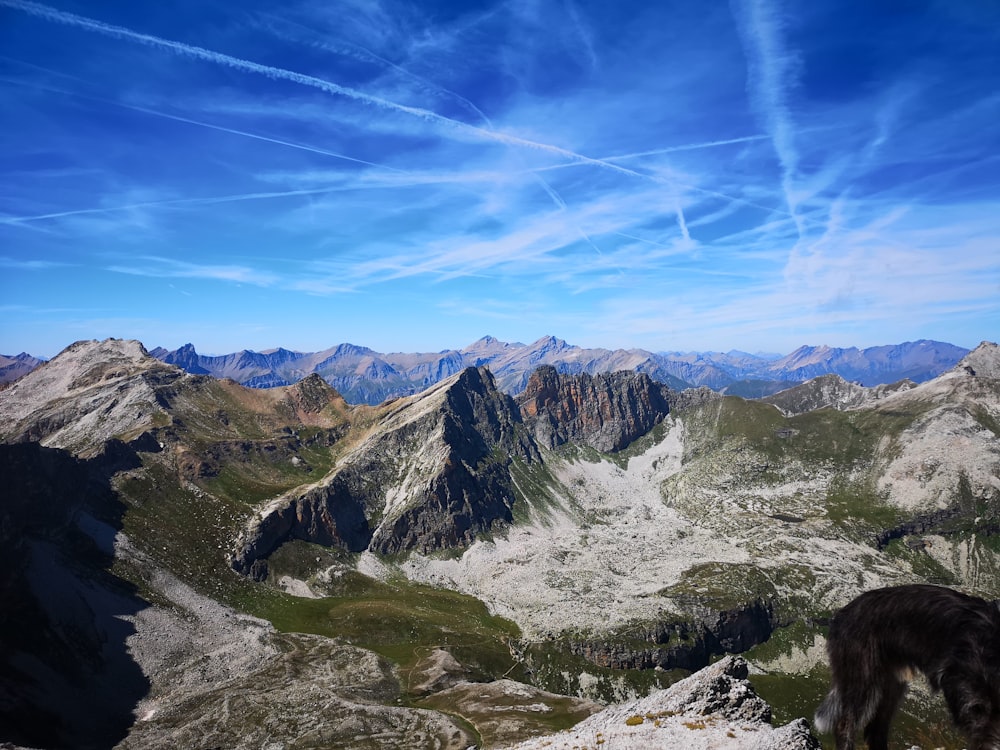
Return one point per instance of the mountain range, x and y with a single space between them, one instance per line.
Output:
362 375
13 367
188 561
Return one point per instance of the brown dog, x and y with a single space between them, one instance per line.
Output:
881 638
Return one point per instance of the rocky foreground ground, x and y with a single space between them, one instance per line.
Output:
714 708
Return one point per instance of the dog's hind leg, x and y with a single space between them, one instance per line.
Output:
877 729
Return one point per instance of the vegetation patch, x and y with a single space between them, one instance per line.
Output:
400 621
922 564
785 642
536 489
721 586
859 510
501 717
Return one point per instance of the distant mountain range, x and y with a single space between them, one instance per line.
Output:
363 375
13 367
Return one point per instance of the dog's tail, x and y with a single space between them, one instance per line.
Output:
828 712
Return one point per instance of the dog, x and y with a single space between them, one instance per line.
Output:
878 642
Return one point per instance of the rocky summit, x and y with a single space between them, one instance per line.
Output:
188 560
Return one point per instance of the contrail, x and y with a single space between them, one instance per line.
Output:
768 69
200 123
687 147
16 220
257 136
349 49
274 73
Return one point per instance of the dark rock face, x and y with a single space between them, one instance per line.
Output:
187 358
922 524
687 645
606 411
482 433
331 515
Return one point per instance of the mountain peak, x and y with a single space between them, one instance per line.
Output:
88 393
983 361
550 344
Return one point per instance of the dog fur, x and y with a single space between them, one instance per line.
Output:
880 639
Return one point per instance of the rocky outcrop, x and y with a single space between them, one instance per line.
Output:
432 473
981 362
714 708
606 411
924 523
832 391
313 693
91 392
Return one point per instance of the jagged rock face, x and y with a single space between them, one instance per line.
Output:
432 473
458 483
606 411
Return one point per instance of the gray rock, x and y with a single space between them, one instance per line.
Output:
713 708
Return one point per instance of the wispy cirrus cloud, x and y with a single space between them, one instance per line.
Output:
21 264
771 69
160 267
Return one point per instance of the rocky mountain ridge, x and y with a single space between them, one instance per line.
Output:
362 375
831 391
624 530
607 411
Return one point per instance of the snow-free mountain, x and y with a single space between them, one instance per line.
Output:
186 561
362 375
14 366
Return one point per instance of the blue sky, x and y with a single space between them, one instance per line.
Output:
411 176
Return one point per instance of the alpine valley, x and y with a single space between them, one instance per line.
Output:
490 561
